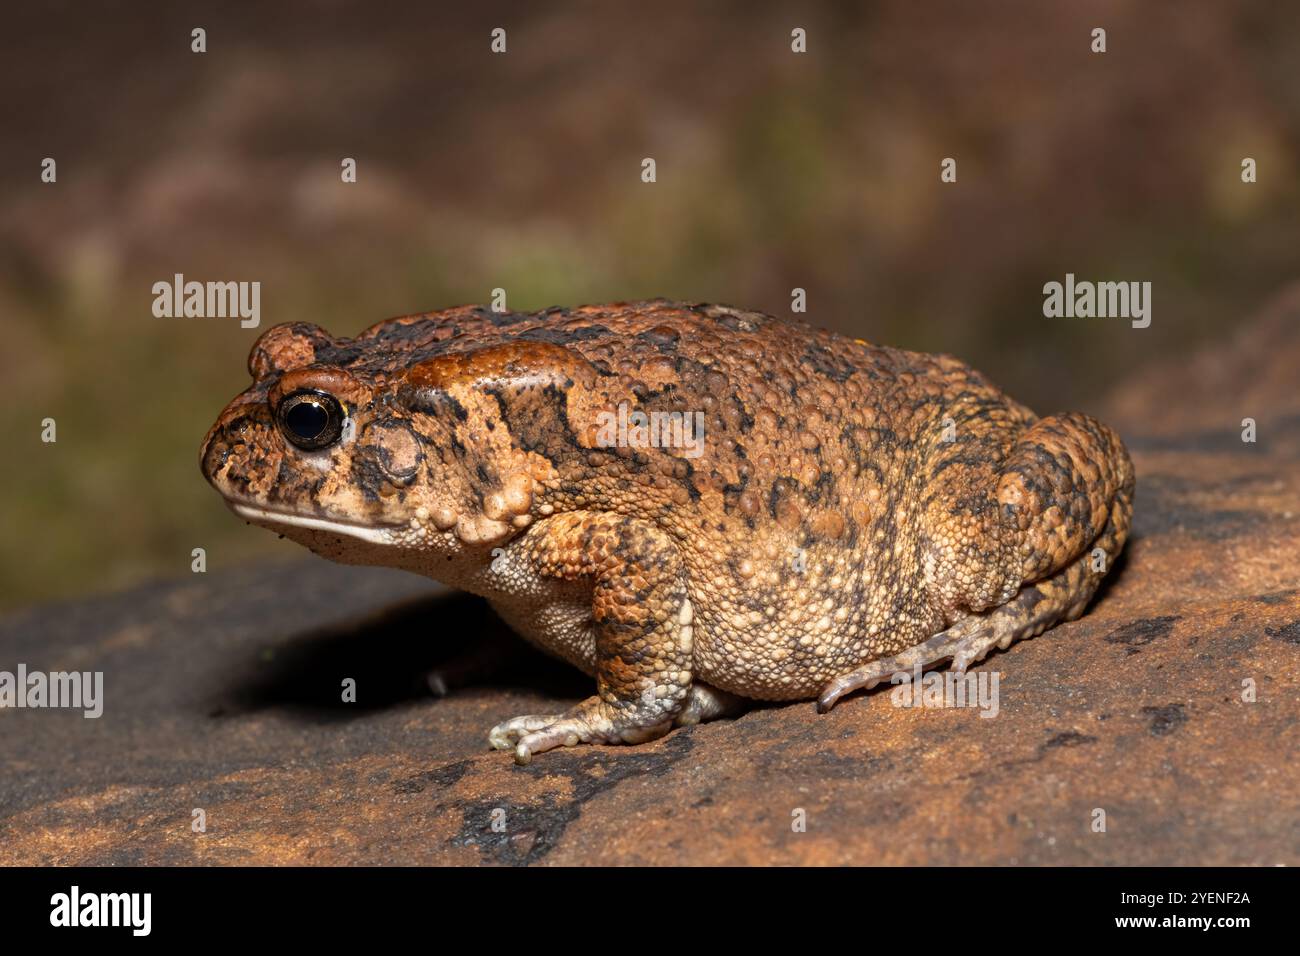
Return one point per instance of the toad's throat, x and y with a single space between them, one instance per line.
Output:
373 534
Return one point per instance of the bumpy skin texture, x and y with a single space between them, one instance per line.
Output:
850 510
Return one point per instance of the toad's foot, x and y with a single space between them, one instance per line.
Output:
591 722
1033 610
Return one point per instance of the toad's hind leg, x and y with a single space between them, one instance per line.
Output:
1066 488
1064 501
1033 610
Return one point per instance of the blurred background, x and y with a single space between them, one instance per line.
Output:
522 171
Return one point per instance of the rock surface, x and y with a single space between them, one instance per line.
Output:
223 693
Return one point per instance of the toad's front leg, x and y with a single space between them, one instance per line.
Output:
641 619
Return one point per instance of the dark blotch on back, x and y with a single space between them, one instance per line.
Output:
583 333
662 337
828 363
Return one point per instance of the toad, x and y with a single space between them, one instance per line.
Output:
694 504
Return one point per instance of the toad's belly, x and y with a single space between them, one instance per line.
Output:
787 643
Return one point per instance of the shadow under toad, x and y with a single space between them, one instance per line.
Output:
392 655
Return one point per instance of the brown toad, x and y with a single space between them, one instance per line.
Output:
692 503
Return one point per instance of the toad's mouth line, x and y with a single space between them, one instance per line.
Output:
374 534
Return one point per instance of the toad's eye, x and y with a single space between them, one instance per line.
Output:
310 419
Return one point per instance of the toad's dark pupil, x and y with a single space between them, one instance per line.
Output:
307 419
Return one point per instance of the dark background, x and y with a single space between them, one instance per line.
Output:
522 171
